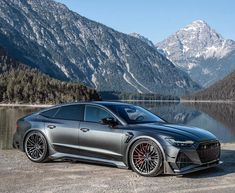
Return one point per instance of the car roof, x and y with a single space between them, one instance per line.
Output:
101 103
104 103
110 103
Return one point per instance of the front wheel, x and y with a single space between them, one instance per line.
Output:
146 158
35 146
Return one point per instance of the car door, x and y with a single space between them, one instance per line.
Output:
99 140
62 128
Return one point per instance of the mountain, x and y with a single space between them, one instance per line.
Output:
149 42
142 38
201 52
57 41
221 90
21 84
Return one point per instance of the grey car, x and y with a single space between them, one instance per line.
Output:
117 134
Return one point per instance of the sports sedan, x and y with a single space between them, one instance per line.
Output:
119 134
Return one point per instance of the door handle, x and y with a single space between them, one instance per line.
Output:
51 126
84 129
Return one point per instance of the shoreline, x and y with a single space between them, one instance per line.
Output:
162 101
24 105
206 101
176 101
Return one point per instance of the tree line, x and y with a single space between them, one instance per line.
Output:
113 95
20 83
222 90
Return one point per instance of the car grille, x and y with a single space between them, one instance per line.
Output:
209 151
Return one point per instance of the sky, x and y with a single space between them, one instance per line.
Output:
157 19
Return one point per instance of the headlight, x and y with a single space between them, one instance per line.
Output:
177 143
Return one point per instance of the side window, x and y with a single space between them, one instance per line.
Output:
95 114
70 112
49 113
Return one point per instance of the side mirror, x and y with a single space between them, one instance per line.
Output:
109 121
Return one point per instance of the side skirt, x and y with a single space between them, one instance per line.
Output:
118 164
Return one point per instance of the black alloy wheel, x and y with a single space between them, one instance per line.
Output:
35 147
146 158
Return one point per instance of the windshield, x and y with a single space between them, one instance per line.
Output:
134 114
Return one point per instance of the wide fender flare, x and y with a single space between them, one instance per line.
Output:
143 137
42 131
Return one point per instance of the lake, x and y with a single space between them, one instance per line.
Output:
218 118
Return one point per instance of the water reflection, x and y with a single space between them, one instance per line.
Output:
217 118
8 117
172 112
222 112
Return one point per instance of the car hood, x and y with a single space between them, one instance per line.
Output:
172 130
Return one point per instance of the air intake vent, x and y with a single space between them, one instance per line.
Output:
209 151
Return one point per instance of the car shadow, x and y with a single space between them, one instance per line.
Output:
227 167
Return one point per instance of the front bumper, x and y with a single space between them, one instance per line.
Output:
197 168
186 160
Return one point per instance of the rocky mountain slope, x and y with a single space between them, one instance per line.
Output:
201 52
59 42
142 38
221 90
149 42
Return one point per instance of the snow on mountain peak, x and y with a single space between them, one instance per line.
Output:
199 22
193 47
197 39
196 25
200 31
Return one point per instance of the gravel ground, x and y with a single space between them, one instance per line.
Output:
18 174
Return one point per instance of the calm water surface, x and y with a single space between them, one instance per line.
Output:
218 118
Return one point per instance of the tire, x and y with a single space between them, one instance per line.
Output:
146 158
35 147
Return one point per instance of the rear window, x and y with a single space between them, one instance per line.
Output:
49 113
70 112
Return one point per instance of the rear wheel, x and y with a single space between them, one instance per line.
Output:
146 158
35 146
